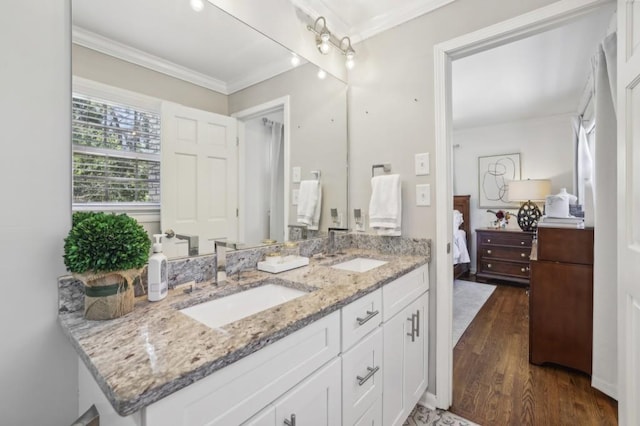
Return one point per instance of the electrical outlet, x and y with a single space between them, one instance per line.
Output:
422 164
423 195
296 175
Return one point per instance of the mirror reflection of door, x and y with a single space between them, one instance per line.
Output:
264 177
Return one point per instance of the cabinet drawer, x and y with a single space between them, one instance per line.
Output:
233 394
490 266
517 239
360 317
399 293
566 245
508 253
361 377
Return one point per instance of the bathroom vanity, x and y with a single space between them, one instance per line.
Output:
351 349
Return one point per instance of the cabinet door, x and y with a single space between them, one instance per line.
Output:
405 360
371 417
314 402
361 377
266 417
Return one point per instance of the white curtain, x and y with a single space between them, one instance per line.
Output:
604 375
276 186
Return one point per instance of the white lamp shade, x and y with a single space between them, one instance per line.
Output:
530 189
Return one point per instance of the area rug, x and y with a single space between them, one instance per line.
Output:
423 416
468 298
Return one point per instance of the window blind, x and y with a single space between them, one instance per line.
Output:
116 153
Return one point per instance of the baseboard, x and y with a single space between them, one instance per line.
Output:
605 387
429 400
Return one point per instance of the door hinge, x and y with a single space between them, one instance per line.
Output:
448 248
237 212
237 141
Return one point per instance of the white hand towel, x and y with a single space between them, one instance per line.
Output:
385 207
309 203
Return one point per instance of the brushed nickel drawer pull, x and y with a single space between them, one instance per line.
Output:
413 327
418 323
370 314
488 251
370 373
291 422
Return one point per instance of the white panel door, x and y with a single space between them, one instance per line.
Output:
199 174
628 114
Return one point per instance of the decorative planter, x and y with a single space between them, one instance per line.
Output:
108 295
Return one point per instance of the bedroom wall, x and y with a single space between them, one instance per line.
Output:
546 151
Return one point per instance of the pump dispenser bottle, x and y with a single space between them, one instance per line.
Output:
157 272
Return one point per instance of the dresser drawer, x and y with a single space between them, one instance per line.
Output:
566 245
507 253
361 317
517 239
515 269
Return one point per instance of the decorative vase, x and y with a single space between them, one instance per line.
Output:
108 295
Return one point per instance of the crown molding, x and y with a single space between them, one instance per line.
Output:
110 47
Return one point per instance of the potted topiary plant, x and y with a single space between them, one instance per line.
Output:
106 252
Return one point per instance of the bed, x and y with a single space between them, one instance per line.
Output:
461 233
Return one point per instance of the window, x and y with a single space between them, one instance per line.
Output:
116 154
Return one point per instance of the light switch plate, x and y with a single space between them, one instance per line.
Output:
296 175
423 195
422 164
294 197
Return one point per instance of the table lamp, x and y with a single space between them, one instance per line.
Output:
526 192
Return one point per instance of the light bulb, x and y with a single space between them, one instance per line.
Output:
295 60
322 74
349 63
197 5
324 47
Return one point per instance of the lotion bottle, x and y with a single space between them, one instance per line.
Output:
157 272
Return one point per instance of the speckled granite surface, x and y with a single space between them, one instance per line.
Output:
156 350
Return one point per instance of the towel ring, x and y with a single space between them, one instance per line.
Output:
386 168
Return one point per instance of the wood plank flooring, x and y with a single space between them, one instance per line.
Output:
494 384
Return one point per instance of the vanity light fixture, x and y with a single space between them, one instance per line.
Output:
197 5
324 41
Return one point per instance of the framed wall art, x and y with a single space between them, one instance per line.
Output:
494 174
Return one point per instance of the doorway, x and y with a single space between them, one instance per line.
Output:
529 24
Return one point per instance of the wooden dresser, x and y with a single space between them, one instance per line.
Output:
503 254
561 298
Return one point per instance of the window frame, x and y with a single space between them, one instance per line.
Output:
90 88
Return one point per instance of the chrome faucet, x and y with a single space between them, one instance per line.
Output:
220 268
331 245
192 241
302 228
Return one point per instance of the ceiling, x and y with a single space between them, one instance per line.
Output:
541 75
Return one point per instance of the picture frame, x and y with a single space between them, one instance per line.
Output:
494 174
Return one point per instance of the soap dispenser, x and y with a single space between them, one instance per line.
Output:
157 272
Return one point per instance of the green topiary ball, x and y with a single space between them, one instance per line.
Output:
101 242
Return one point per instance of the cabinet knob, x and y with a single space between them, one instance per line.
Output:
488 240
488 251
523 270
522 254
290 422
521 243
488 265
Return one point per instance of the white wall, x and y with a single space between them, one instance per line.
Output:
546 148
391 110
38 376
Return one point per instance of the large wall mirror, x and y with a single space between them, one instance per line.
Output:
211 79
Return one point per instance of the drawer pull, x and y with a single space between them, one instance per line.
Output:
415 326
488 240
521 243
488 265
418 323
370 314
523 270
290 422
370 373
522 254
488 251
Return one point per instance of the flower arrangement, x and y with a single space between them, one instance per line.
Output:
502 218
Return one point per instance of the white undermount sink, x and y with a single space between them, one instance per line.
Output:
225 310
359 264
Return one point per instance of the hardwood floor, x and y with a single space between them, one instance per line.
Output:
494 384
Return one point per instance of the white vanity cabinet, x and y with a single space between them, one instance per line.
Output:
406 350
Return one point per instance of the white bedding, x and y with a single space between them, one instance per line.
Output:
460 251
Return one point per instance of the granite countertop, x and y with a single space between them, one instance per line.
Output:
156 350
